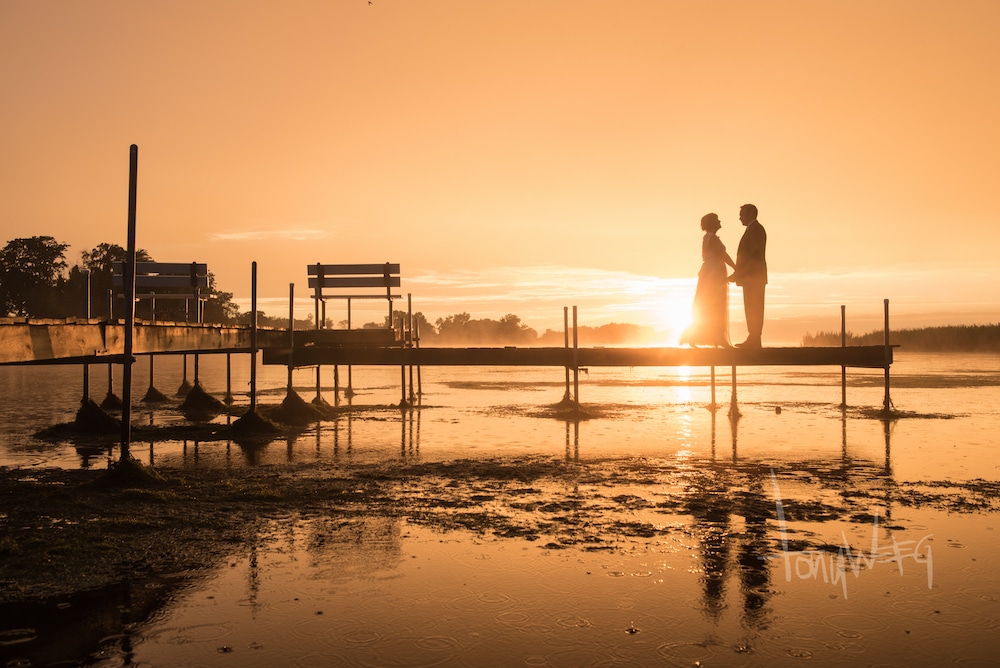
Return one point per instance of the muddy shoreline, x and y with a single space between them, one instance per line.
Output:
67 531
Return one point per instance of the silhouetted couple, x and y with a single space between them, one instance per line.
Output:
710 310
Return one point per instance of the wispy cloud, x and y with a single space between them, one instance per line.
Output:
288 234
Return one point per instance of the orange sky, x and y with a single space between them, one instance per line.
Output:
516 157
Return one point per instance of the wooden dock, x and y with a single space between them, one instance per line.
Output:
92 341
96 341
874 357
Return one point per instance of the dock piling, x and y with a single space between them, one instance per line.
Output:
886 402
843 367
129 280
566 395
576 362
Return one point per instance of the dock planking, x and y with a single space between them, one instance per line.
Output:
875 357
79 341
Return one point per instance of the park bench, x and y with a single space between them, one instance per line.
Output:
350 282
166 280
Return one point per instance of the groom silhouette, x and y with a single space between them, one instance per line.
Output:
751 274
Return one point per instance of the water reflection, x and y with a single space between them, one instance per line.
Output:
89 626
605 512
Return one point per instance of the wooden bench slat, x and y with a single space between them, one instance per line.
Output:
158 281
354 282
382 296
329 269
164 268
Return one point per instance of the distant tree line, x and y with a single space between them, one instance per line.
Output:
950 338
36 281
461 329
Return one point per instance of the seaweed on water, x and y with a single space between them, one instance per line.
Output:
154 396
129 472
200 401
91 418
294 410
252 425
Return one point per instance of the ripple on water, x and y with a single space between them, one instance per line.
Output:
410 651
319 661
685 651
482 601
981 593
572 658
17 636
855 626
513 618
573 621
182 635
956 616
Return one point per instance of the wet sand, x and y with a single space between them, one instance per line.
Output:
90 531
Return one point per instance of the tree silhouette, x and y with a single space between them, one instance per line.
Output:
32 276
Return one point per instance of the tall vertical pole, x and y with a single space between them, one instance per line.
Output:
713 386
576 363
409 327
86 313
402 367
886 403
291 332
253 337
416 342
129 281
734 410
566 395
349 392
111 376
229 378
843 367
317 298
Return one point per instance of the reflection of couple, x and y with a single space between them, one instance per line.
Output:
710 310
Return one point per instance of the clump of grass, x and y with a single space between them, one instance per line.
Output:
92 418
130 472
294 410
200 401
253 425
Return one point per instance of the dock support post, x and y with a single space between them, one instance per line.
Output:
129 280
566 395
253 337
713 405
229 378
576 362
410 342
86 313
111 402
843 367
320 321
886 402
291 333
336 385
416 342
349 392
402 367
734 410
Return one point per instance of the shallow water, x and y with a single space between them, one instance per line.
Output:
797 532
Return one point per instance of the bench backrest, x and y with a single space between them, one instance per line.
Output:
166 280
323 277
347 281
164 276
